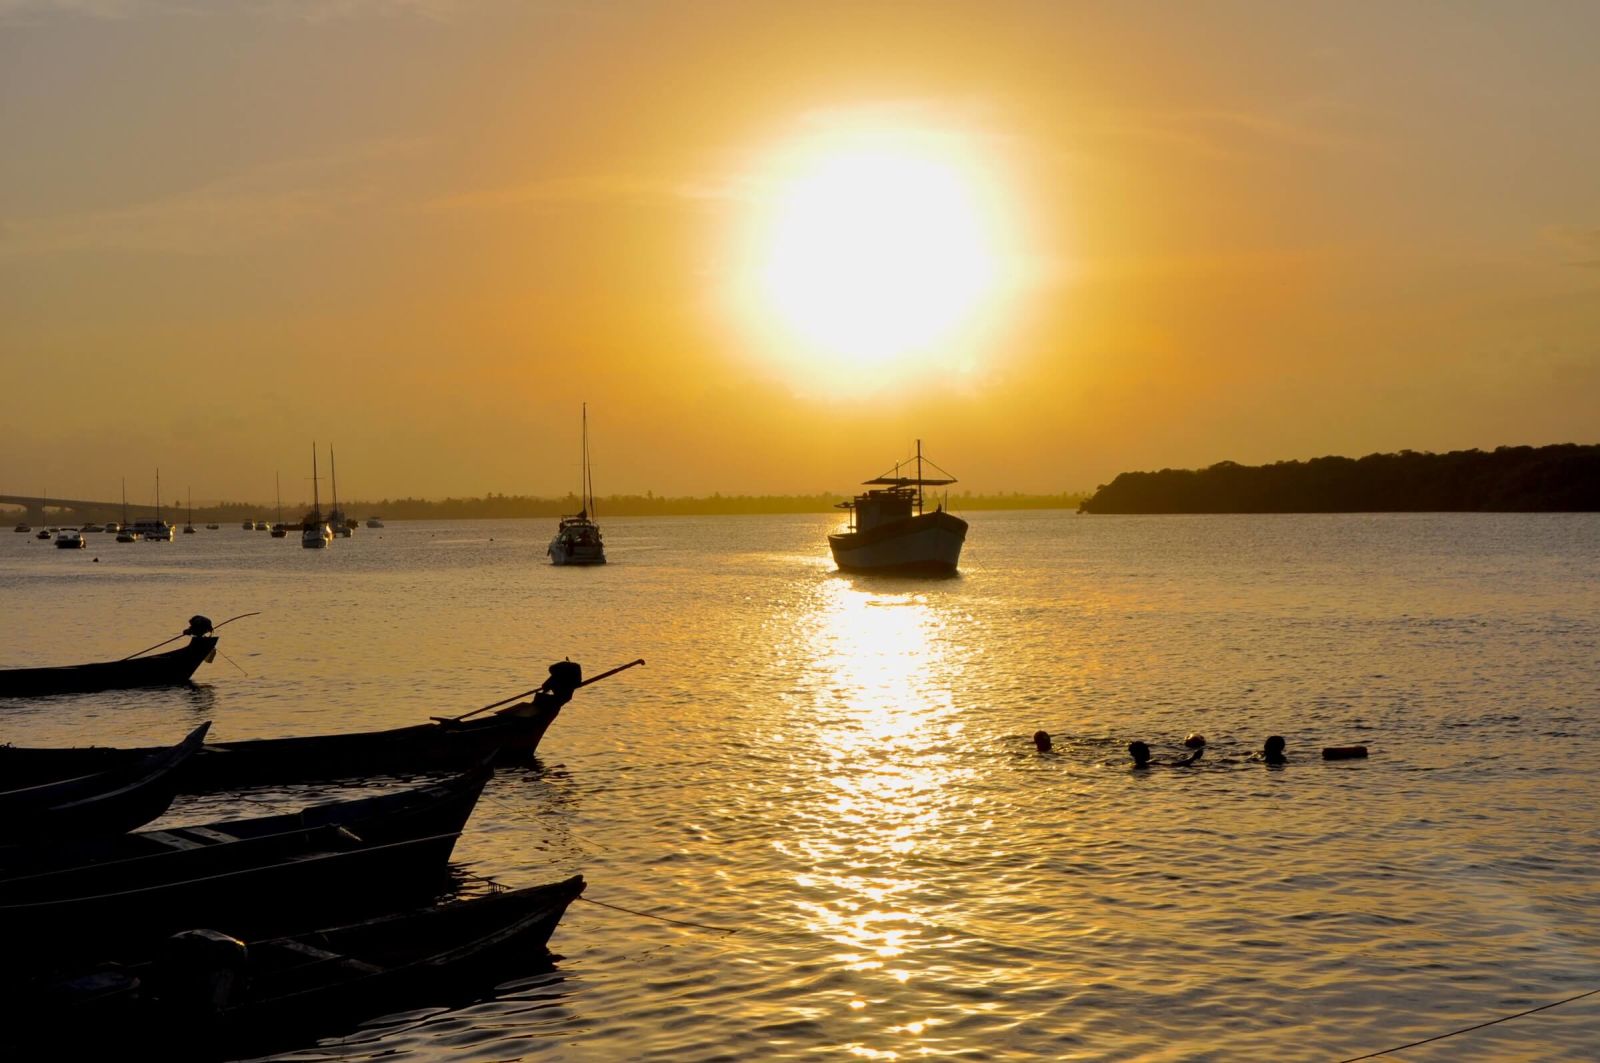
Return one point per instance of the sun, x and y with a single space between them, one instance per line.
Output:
874 250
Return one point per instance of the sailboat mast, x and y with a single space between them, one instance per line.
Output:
316 500
919 477
277 490
588 479
334 471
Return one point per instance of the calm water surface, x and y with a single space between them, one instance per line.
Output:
840 770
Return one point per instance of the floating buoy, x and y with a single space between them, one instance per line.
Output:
1344 752
1194 741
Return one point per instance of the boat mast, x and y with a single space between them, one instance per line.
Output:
919 477
334 470
277 487
316 500
588 481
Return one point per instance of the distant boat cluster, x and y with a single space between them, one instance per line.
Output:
889 530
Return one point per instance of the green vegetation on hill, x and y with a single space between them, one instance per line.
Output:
1560 478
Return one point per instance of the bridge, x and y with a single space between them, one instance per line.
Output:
74 510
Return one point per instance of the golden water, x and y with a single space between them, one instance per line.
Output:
840 770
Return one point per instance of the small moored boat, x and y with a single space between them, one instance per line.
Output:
158 669
236 875
890 533
577 540
314 531
108 802
281 991
512 735
69 539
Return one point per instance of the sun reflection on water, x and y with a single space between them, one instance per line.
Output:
880 808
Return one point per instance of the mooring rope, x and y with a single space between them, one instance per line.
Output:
662 918
1469 1029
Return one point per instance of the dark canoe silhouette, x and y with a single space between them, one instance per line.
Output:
239 876
430 747
107 802
156 670
288 990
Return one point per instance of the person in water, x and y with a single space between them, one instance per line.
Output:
1141 753
1041 741
1271 752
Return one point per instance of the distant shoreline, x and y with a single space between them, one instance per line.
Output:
1563 478
495 506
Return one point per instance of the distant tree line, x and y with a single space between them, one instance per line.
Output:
498 505
1561 478
653 505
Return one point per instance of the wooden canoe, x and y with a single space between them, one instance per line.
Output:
250 997
157 670
107 802
238 876
427 747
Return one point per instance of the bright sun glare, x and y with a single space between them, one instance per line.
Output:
873 247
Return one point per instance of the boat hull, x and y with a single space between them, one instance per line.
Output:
929 544
297 987
109 802
235 875
161 669
428 747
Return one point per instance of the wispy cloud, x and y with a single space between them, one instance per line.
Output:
1217 133
598 188
1580 242
267 202
307 11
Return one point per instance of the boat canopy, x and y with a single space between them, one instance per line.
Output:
904 481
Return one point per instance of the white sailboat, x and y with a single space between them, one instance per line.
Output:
577 540
125 531
158 530
278 530
314 531
888 531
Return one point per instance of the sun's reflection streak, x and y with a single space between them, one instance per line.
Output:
883 668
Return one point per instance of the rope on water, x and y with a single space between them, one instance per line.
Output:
662 918
1469 1029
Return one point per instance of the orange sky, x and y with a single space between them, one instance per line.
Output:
426 231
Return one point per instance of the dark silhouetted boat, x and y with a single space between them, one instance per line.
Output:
443 745
240 876
890 533
158 669
209 996
577 540
108 802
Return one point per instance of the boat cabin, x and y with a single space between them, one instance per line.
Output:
899 498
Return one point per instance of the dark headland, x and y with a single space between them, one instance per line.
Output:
1561 478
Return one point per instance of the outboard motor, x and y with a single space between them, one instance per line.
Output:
199 972
198 626
565 677
556 691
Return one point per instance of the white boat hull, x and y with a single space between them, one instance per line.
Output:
926 545
565 553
